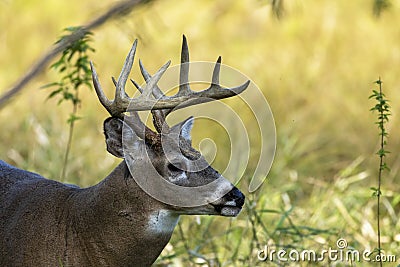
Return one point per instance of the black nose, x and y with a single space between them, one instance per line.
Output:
237 196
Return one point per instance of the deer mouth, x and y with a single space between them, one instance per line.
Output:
228 210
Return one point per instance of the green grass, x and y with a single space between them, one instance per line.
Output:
316 67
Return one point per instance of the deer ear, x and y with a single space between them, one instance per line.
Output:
185 128
113 128
113 134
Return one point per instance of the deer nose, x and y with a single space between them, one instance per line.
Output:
237 196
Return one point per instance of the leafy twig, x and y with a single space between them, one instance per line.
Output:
383 109
74 65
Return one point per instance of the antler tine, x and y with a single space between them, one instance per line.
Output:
114 81
159 116
99 91
216 71
158 94
137 86
216 91
126 69
121 101
138 126
184 88
152 82
115 84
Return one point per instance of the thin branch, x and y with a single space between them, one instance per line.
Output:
120 9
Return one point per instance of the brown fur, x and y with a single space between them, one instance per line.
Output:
46 223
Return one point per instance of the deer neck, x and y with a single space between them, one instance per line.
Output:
121 220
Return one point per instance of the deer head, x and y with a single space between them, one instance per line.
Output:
168 152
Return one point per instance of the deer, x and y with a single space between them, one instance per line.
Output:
128 217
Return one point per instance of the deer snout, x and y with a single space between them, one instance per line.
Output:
230 204
237 196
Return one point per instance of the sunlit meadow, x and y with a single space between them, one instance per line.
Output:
315 65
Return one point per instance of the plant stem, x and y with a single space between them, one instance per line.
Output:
69 142
381 167
383 109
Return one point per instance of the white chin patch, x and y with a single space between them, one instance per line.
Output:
162 221
230 211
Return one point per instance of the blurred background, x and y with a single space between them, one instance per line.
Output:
315 62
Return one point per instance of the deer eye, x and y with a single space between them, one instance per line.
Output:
174 167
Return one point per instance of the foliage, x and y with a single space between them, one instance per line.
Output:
379 6
383 109
74 66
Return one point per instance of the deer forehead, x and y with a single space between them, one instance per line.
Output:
173 146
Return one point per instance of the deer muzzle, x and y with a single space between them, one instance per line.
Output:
230 204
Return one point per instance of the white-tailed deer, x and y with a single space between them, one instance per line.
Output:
117 222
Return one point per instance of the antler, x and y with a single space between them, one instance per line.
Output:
122 102
185 95
152 98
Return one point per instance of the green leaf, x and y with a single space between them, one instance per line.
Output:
72 118
376 192
54 93
50 85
